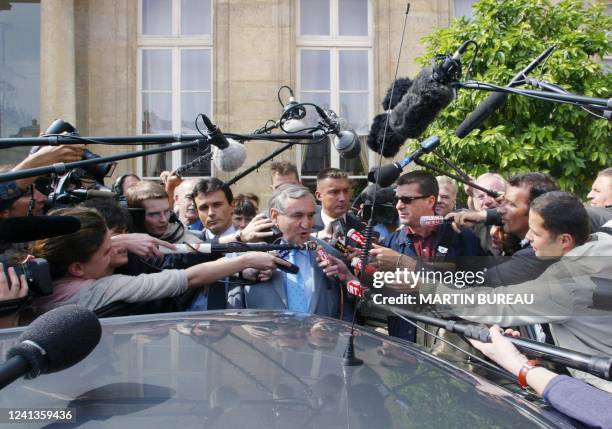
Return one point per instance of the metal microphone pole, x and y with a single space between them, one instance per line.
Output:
592 102
259 163
425 164
66 139
600 366
61 168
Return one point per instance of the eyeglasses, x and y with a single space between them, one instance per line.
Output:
407 200
158 215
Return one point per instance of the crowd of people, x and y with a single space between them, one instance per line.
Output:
121 260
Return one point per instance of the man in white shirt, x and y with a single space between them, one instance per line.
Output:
213 200
334 193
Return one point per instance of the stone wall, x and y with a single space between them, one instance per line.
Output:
89 65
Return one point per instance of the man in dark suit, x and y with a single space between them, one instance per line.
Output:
292 209
334 194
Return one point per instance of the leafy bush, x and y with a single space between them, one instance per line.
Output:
527 134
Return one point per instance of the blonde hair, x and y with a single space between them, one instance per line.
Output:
143 191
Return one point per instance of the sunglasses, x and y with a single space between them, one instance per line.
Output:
407 200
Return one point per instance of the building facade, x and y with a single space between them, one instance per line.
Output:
127 67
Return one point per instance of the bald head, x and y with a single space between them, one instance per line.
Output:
183 201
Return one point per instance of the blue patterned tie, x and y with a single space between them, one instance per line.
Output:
296 298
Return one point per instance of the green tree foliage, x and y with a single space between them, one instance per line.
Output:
527 134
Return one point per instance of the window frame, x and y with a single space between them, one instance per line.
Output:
175 43
334 43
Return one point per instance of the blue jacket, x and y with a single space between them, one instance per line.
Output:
464 244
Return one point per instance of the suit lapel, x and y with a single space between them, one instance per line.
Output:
318 281
280 286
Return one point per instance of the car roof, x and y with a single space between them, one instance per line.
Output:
264 369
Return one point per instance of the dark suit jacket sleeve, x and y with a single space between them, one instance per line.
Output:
519 268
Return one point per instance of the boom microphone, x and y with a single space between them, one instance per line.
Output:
31 228
228 154
495 100
230 158
420 106
393 142
87 194
388 174
55 341
345 140
450 68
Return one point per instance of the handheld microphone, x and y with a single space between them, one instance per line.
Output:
55 341
495 100
31 228
228 154
433 220
355 288
208 248
339 246
356 236
388 174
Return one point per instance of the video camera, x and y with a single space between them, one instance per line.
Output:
96 171
36 272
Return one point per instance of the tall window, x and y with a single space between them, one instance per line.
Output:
335 71
175 75
464 8
19 74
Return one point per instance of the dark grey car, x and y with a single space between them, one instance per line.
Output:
263 369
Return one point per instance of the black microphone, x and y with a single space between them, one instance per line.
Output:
31 228
388 174
86 194
55 341
495 100
228 154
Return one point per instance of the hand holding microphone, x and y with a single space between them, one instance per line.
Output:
466 219
143 245
390 260
334 268
263 261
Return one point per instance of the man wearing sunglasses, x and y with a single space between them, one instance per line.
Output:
415 196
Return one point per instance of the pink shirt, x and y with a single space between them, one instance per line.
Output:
63 289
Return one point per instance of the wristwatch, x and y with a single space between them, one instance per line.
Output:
527 366
237 236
